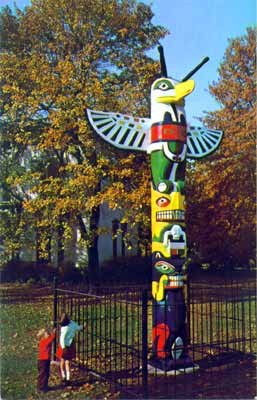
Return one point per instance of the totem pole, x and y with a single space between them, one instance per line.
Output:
170 142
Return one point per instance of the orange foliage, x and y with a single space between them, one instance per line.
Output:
221 197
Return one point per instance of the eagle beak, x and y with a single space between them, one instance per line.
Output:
181 90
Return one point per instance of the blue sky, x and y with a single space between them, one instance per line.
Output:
198 28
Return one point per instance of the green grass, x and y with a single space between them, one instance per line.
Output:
228 325
215 327
211 321
20 324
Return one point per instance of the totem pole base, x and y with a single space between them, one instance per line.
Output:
183 365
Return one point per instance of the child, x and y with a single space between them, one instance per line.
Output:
67 349
44 358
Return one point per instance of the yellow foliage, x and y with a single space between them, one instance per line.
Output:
64 57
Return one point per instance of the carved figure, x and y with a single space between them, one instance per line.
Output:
170 142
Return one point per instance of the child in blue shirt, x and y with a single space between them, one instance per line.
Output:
67 349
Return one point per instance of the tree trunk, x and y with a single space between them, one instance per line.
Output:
93 259
60 247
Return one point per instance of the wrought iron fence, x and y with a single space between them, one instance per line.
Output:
221 322
116 343
113 346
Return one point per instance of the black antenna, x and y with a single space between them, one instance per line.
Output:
205 60
162 61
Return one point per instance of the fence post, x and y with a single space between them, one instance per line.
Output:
188 311
55 311
145 342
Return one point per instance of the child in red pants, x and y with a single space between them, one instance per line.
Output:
44 358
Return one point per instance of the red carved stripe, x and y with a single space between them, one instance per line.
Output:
164 133
161 333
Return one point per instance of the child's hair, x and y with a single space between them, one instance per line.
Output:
42 332
64 320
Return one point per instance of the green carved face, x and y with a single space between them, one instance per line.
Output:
165 268
163 84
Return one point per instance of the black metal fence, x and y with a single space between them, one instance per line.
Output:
116 343
113 346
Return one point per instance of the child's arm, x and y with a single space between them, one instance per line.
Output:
50 337
76 327
53 334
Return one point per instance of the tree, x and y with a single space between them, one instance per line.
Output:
57 58
222 188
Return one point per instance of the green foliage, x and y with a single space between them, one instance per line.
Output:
69 273
26 271
126 270
32 272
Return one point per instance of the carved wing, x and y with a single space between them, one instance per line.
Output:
121 131
202 141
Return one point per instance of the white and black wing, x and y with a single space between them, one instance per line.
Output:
121 131
202 141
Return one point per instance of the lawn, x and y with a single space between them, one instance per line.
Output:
20 324
213 323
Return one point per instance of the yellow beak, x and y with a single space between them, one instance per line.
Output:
181 90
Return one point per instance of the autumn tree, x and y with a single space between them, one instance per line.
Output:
221 197
57 58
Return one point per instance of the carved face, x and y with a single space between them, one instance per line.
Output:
168 211
176 232
168 207
164 267
166 91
